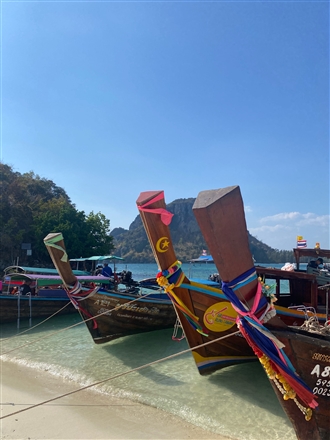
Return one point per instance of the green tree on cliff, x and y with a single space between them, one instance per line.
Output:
31 207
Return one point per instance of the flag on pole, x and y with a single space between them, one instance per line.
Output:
301 243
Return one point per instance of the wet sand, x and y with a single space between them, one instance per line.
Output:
82 415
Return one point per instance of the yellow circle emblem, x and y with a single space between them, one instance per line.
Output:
220 317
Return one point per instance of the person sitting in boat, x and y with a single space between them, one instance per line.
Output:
107 271
25 288
215 277
13 290
316 264
98 270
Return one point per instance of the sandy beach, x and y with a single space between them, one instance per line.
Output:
82 415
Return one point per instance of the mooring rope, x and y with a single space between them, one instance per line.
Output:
120 375
74 325
312 325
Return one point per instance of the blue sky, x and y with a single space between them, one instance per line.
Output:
109 99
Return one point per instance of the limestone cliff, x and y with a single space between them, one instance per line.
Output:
187 239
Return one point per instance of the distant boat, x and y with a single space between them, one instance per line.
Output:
48 297
36 270
204 258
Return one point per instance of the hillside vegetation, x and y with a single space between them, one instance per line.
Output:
31 208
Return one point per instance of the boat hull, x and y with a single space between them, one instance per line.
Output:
123 314
218 320
311 358
14 307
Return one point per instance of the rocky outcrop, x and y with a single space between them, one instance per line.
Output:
133 244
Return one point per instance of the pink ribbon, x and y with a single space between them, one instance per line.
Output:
165 216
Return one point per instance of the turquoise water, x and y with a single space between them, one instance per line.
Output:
237 402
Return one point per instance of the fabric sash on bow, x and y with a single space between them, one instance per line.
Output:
262 341
77 294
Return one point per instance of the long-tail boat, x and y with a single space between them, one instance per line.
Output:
48 298
110 314
296 361
298 296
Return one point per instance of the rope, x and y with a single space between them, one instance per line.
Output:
119 375
178 326
312 325
74 325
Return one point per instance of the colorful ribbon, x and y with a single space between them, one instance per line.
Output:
166 216
76 294
174 277
51 243
262 341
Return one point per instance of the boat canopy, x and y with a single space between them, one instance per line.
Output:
310 252
38 270
95 259
98 258
53 280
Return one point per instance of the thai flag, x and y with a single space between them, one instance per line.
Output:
301 243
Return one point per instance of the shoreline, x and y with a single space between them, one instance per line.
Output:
83 415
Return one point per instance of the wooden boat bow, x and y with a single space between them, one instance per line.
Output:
156 220
190 304
54 243
220 213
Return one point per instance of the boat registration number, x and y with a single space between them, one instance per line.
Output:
322 385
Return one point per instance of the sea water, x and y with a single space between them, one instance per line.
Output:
237 402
